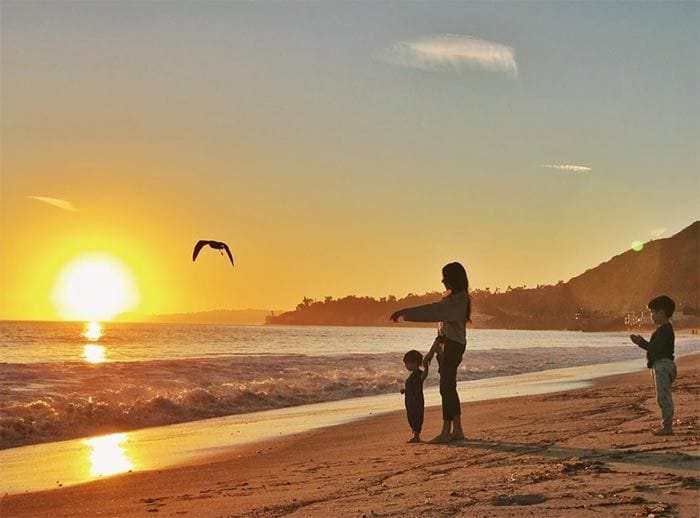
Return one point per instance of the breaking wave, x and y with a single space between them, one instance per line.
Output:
43 402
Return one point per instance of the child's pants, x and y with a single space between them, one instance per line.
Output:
414 411
665 373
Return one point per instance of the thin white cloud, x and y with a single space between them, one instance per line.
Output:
658 232
55 202
572 168
452 52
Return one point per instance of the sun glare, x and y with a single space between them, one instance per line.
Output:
94 287
93 331
94 353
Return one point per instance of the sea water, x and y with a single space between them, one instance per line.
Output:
61 380
63 463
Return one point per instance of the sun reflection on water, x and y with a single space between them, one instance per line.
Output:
93 331
107 455
94 353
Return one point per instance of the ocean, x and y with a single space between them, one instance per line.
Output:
62 380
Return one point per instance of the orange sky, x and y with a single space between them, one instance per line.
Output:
330 162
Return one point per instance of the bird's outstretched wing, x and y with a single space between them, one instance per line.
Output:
228 252
201 243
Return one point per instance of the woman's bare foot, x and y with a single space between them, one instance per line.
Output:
441 439
457 436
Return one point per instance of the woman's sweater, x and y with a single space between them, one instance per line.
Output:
451 312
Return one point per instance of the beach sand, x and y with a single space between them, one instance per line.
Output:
577 453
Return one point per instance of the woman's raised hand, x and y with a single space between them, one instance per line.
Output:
396 314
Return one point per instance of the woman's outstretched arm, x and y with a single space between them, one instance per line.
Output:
450 308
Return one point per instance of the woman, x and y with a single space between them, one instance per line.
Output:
453 312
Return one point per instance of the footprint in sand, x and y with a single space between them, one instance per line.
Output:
518 499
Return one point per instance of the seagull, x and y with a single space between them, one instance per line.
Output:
216 245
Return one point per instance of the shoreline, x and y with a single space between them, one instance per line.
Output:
81 460
179 396
543 454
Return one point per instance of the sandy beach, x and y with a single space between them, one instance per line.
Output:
586 451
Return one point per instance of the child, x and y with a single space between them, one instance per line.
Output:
413 392
660 350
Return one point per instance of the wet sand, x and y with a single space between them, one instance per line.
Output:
582 452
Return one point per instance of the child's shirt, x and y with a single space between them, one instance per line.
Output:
414 386
660 345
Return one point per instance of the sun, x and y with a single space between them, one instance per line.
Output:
94 287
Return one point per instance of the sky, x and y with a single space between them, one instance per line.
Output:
339 148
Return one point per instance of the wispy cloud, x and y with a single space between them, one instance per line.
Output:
452 52
572 168
658 232
55 202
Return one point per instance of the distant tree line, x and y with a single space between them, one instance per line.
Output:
543 307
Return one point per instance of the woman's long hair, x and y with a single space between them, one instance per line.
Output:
456 277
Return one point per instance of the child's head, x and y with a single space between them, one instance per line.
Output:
662 308
412 359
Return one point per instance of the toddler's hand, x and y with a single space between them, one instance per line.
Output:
636 339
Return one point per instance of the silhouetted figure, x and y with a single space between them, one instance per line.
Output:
413 392
660 350
216 245
453 312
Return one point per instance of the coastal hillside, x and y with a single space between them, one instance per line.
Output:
612 295
630 280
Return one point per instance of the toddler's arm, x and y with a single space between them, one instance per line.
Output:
433 349
662 340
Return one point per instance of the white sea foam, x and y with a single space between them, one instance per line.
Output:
43 402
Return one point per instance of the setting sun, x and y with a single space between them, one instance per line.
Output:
94 287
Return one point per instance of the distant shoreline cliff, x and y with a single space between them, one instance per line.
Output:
217 316
611 296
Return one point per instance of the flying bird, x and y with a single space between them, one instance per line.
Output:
216 245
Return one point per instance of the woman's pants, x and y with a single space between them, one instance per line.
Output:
449 360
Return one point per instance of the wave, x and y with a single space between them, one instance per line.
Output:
48 402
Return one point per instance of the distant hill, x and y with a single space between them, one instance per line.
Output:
217 316
610 296
628 281
607 296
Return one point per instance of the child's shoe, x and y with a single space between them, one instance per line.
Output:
665 430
